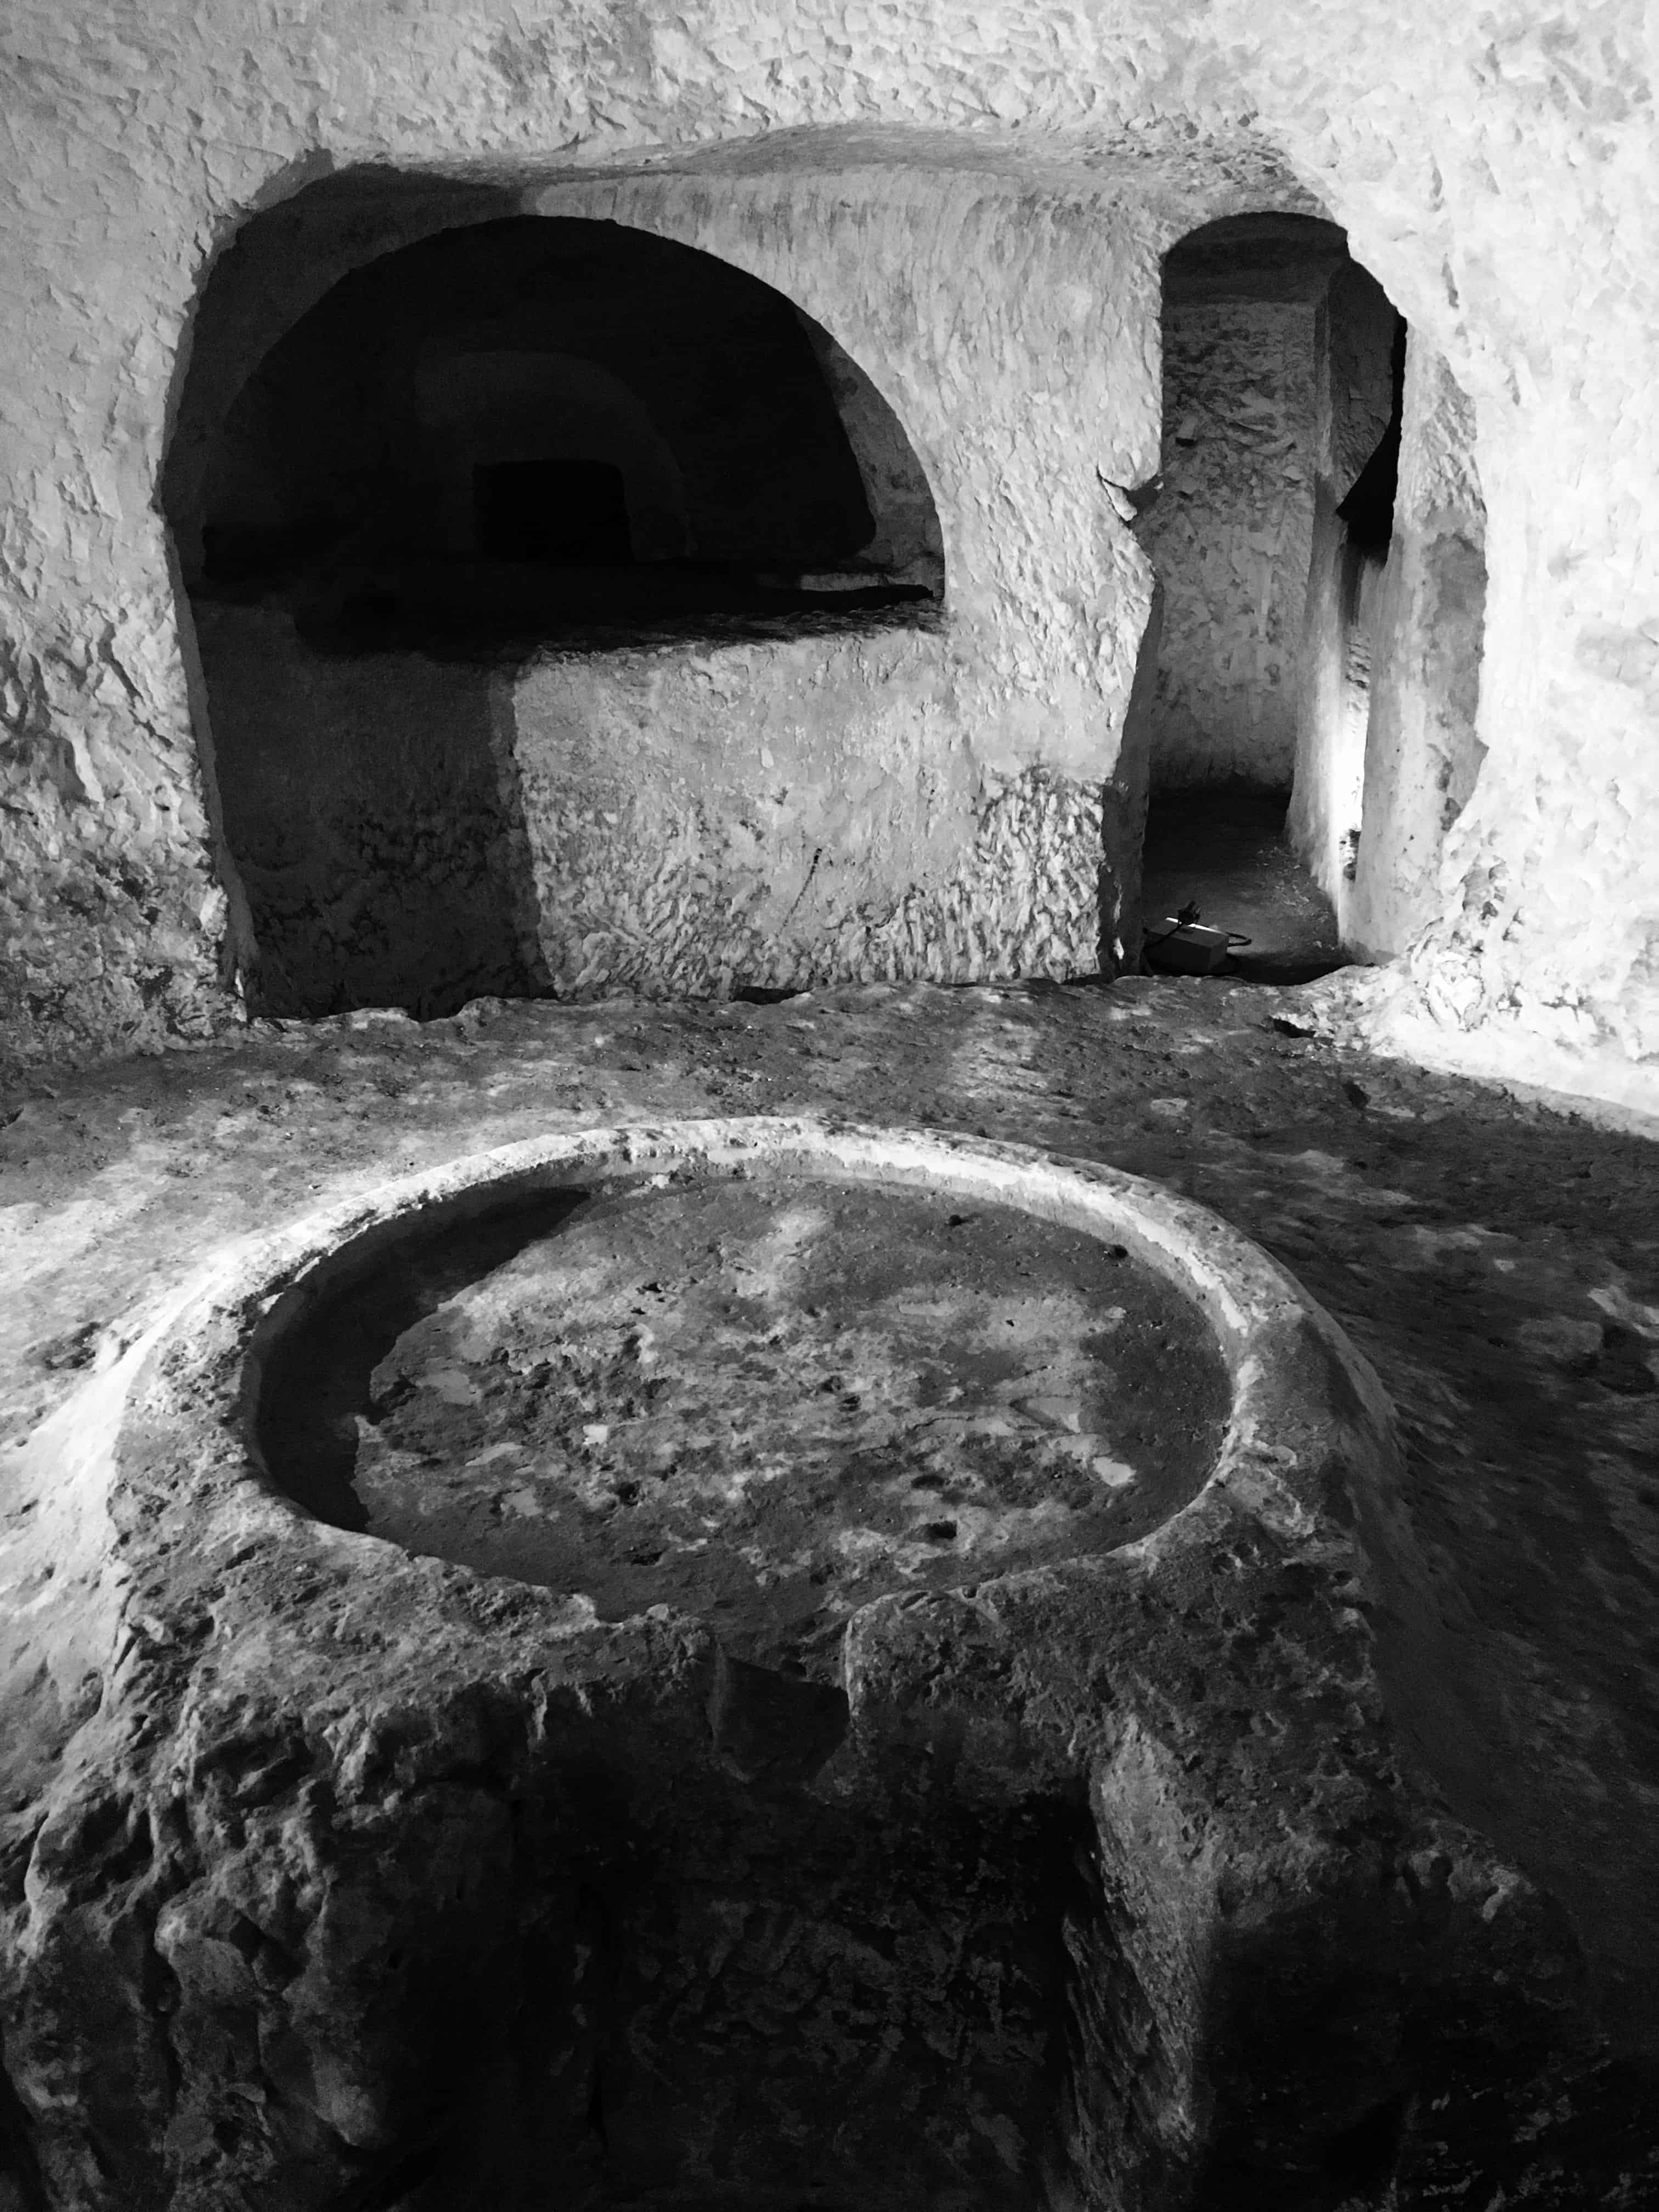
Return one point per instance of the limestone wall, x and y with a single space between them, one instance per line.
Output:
371 805
679 817
1493 171
1423 754
1230 538
789 813
1355 329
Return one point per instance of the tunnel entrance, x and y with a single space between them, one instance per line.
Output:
1296 626
399 477
1231 537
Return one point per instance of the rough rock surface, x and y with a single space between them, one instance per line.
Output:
1492 171
791 802
1492 1261
414 1883
793 812
1354 356
1230 538
372 803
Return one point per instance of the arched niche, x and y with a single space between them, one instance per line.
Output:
754 457
496 410
1231 533
509 436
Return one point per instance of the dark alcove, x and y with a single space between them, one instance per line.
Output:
447 424
405 465
568 514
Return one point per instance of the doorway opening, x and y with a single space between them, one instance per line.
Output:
1318 538
567 514
1244 327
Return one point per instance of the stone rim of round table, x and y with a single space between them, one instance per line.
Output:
1248 1698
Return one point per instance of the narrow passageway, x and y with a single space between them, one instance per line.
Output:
1317 668
1222 847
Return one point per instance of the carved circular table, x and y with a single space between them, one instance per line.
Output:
759 1662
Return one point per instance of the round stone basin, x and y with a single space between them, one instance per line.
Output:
763 1726
762 1398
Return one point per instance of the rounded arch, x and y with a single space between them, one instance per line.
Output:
402 466
906 537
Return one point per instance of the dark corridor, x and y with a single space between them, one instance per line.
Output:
1222 847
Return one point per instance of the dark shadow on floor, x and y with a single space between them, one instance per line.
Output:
1222 848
